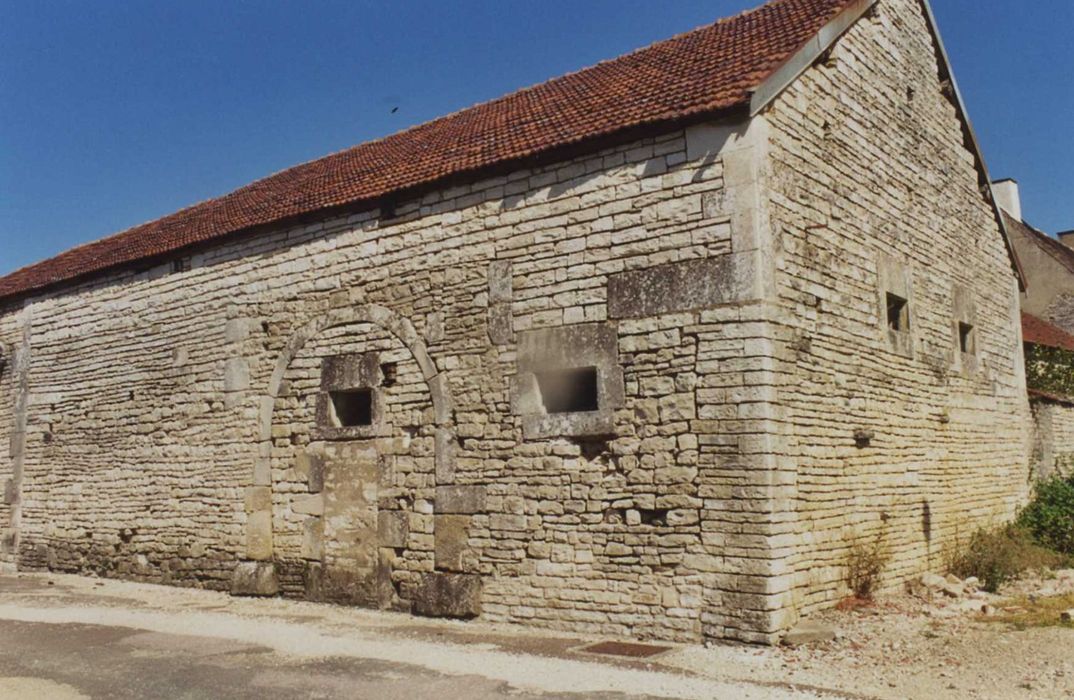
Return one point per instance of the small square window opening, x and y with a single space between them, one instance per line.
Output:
967 338
898 313
569 390
352 408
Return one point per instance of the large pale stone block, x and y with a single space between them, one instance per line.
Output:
259 535
452 547
392 528
255 578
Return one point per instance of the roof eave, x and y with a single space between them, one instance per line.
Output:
971 137
765 93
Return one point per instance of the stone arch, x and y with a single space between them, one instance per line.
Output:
256 575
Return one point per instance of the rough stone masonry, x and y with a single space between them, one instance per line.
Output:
659 387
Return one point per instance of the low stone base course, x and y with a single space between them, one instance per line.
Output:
255 578
448 595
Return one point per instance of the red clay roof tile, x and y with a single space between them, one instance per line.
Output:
1040 332
705 71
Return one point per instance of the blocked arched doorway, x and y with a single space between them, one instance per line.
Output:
355 435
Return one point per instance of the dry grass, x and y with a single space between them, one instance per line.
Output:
1024 612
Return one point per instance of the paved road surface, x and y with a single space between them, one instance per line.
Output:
65 637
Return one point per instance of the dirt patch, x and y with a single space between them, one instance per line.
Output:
978 645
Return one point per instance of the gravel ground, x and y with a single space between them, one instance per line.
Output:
907 647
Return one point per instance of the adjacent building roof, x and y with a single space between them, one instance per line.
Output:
709 70
1037 394
1040 332
1059 251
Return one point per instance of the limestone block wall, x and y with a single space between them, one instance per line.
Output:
915 435
174 422
11 354
1053 438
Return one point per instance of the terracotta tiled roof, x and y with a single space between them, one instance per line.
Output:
1062 254
1040 332
705 71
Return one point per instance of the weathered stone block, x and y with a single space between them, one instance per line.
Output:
809 632
448 595
683 286
500 282
460 499
255 578
392 528
259 535
315 475
342 372
236 330
313 539
258 498
236 374
501 324
445 456
9 492
450 542
313 504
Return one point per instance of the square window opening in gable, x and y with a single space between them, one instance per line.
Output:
572 390
967 338
898 313
352 408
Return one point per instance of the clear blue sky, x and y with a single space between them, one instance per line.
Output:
114 113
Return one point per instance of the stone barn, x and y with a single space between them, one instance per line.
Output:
644 350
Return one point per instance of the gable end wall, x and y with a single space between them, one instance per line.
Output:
891 436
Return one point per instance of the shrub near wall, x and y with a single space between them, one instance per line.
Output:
1049 369
1050 516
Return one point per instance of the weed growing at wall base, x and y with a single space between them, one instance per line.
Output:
996 556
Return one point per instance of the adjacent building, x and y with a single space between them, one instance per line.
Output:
644 350
1049 353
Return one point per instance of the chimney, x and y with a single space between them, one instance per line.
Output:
1007 197
1066 238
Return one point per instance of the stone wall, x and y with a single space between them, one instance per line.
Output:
1053 444
10 343
892 434
176 423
